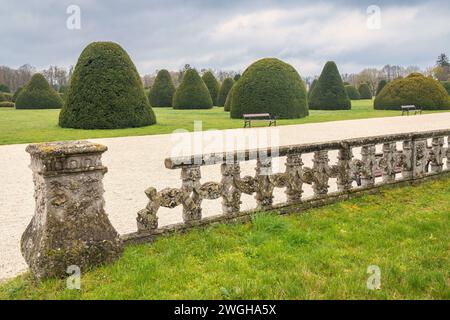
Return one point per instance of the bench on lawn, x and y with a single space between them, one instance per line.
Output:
249 117
407 109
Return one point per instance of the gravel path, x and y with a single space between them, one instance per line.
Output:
136 163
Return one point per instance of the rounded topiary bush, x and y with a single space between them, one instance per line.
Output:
416 89
105 91
16 94
161 93
4 88
364 91
329 92
311 87
192 93
212 84
381 85
446 85
352 92
269 86
227 105
225 88
38 94
6 104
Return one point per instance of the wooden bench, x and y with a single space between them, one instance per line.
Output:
248 118
407 109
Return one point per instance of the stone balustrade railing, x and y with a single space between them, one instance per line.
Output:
71 227
402 158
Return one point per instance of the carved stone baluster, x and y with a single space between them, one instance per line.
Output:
321 173
388 162
264 190
368 159
437 159
147 219
405 159
344 174
420 158
294 170
231 195
192 210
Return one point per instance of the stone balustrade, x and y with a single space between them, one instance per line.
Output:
401 158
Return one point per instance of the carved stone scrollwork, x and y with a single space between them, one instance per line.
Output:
388 161
368 158
420 164
264 187
343 168
210 190
147 219
437 155
294 168
231 195
192 210
404 159
321 172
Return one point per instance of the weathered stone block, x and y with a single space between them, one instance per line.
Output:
70 226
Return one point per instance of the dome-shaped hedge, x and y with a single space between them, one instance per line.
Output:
105 91
192 93
227 105
212 84
415 89
329 92
352 92
270 86
16 94
446 85
38 94
364 91
161 93
225 88
381 85
311 87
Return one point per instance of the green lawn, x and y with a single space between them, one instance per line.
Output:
25 126
321 254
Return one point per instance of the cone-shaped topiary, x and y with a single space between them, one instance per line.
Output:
105 91
213 86
161 93
227 105
381 85
311 87
225 88
415 89
38 94
192 93
446 85
270 86
352 92
364 91
16 94
329 92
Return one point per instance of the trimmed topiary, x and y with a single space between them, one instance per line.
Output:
6 104
227 105
329 92
4 88
16 94
446 85
311 87
416 89
225 88
38 94
192 93
364 91
212 84
270 86
352 92
105 91
381 85
161 93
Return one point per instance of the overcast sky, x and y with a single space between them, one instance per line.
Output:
229 34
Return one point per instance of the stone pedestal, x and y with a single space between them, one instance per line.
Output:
70 226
